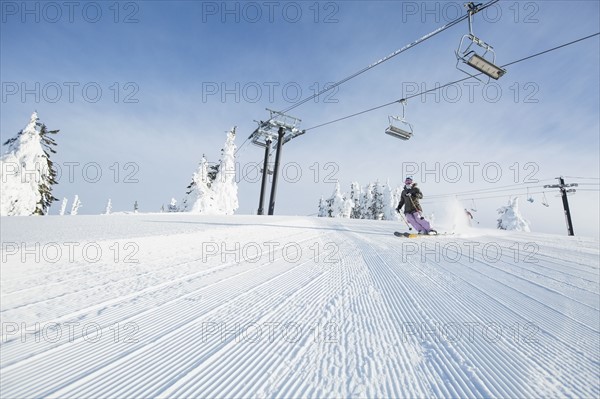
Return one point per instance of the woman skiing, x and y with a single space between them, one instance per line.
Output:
412 209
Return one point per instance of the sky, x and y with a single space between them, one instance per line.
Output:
140 90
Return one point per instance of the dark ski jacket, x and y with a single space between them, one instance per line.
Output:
410 203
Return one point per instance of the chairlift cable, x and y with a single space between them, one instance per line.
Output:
240 147
449 84
426 201
385 105
516 186
583 178
469 195
551 49
390 56
448 197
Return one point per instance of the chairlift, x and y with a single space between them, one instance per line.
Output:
484 61
267 132
544 200
529 197
279 119
398 127
261 135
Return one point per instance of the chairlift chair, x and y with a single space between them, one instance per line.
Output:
529 197
261 135
544 200
466 53
269 131
398 127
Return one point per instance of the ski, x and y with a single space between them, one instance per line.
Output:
415 235
407 235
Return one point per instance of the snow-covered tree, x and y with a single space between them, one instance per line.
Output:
375 201
367 202
27 175
375 209
136 207
200 194
225 187
341 207
76 205
356 193
390 199
63 206
510 218
323 208
173 205
201 182
213 189
108 207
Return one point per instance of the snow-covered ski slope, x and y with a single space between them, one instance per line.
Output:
180 306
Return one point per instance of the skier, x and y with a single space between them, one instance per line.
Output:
412 209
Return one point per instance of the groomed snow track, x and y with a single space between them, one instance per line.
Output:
180 306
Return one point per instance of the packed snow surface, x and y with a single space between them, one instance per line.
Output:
180 305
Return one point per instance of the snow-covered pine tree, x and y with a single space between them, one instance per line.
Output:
376 208
189 199
341 207
367 202
76 205
510 217
347 207
225 187
323 212
329 207
173 205
390 201
201 196
63 206
204 172
27 175
356 198
108 207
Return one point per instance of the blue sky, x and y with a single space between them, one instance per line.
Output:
174 76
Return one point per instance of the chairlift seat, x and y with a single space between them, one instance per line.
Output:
484 66
484 61
399 133
395 130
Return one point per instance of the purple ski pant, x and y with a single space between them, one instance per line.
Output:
415 220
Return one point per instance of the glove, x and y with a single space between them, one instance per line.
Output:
398 210
408 194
